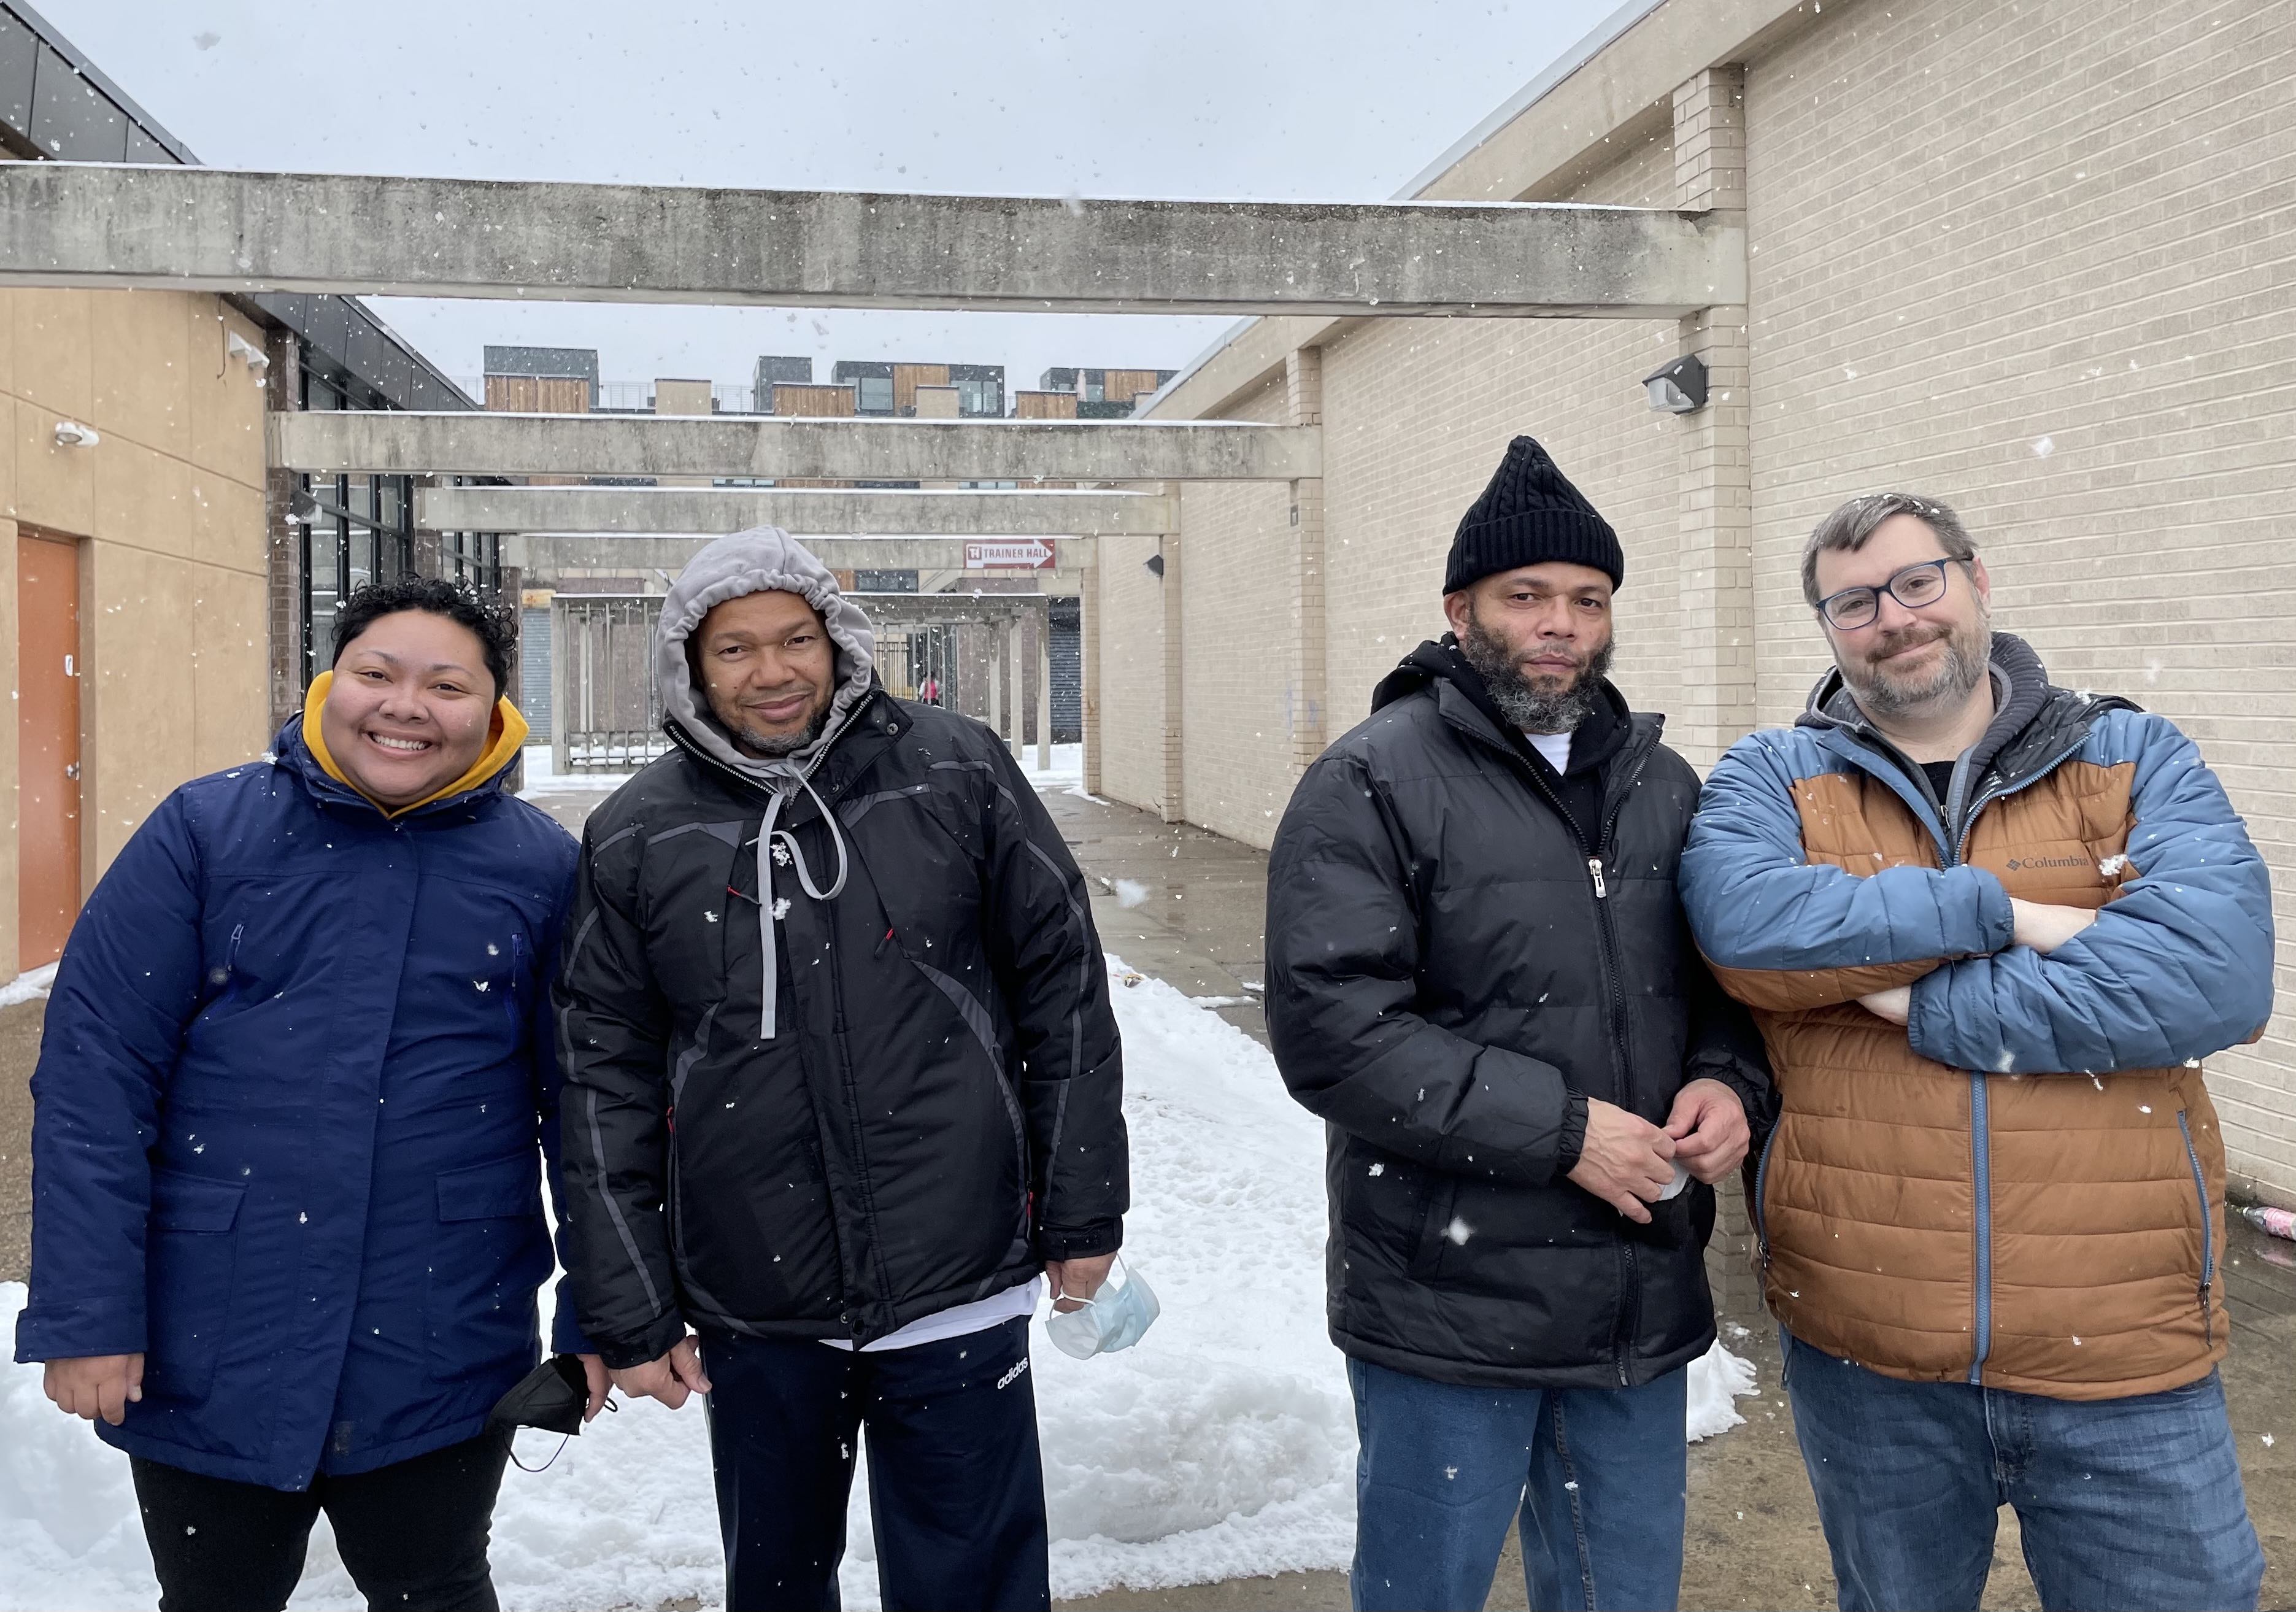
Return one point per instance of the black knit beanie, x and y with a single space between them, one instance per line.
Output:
1528 515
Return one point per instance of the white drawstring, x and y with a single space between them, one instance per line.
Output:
768 837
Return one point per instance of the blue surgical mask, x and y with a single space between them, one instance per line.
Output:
1112 1319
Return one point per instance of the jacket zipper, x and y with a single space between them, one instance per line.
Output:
1980 1130
1980 1148
1621 1051
2207 1231
1761 1184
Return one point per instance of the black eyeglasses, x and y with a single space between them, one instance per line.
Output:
1913 588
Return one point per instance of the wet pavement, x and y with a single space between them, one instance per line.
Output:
1185 906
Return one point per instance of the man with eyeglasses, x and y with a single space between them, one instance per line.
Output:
1990 927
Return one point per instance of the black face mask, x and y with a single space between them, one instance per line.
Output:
551 1397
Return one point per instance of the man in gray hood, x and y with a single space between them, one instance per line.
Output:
843 1090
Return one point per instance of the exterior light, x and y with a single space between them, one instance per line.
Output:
236 346
1155 565
1678 388
71 433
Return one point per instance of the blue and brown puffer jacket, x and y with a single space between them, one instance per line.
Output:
295 1088
2024 1187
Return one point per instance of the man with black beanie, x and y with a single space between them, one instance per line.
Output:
1481 977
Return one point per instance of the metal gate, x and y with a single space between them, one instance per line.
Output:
605 711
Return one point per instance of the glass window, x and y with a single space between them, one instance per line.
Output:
71 118
876 394
19 50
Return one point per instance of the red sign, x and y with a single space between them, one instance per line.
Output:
1017 553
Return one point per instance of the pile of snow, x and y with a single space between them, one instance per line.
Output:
1066 772
540 779
28 986
1222 1446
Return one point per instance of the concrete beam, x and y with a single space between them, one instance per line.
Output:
639 510
944 608
542 558
215 229
331 441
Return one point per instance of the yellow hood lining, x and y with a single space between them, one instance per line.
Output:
505 734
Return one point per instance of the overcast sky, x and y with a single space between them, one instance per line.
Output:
1182 98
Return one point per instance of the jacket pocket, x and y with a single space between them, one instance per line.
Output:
2208 1229
190 1264
1440 1227
1756 1209
490 1253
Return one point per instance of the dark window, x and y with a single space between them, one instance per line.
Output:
876 395
71 118
20 51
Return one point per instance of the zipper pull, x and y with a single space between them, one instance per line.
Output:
1594 867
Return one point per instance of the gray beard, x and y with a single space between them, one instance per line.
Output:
1532 710
772 746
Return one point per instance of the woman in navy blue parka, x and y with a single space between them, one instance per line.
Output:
292 1097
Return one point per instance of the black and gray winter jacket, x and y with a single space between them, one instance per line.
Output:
1453 969
791 1114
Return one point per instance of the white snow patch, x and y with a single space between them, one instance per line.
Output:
539 779
1129 892
28 986
1222 1446
2043 446
1066 772
2111 867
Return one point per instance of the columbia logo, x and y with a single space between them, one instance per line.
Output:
2015 863
1018 1366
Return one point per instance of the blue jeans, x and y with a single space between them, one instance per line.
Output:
1594 1475
2124 1504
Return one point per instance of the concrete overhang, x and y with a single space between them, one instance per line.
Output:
331 443
948 609
676 510
1599 105
546 556
217 229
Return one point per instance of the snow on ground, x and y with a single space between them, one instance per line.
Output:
539 779
1066 772
1222 1445
27 986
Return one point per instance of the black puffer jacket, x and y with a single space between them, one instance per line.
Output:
1446 968
939 1109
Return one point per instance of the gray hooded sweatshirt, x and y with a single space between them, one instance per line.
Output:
766 558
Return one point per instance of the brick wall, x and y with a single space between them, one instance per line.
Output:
1131 673
2034 261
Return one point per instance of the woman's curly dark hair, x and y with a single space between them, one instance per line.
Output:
496 624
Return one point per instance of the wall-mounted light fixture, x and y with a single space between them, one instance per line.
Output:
71 433
236 346
1678 388
1155 565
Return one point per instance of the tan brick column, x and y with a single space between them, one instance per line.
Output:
1172 804
1305 692
1088 618
1716 705
1716 702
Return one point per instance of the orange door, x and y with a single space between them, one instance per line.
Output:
47 746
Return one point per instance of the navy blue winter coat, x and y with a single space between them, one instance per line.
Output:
289 1120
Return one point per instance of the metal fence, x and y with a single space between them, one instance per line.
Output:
605 711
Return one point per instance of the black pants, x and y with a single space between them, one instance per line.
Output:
956 1488
413 1534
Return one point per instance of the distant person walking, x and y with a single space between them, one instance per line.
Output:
844 1085
1479 973
1992 927
294 1097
